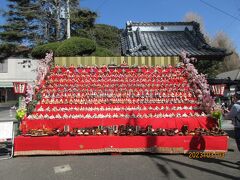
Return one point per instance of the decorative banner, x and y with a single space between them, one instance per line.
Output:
218 89
19 87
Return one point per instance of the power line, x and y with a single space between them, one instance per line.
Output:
229 24
103 2
220 10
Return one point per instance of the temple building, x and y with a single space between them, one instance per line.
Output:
167 39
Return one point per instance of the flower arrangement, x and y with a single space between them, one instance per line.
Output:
217 113
20 114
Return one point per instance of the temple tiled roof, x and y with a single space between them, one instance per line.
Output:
166 39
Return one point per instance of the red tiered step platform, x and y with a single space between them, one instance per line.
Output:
85 98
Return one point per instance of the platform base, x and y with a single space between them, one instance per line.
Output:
129 144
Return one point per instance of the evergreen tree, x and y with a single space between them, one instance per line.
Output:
82 19
35 22
19 27
221 40
31 22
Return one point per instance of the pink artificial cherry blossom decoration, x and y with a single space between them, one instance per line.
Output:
198 82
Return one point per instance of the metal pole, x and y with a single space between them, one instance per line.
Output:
68 21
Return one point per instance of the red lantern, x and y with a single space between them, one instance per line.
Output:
218 89
19 87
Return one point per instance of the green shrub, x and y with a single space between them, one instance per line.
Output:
102 52
76 46
40 51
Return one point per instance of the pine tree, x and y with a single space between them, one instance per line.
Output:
35 22
19 27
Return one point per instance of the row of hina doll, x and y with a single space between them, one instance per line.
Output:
131 115
118 94
119 101
117 108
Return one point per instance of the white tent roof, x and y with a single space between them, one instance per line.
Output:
233 75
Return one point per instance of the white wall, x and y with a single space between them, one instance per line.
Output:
19 70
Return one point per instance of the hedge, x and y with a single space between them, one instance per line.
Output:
76 46
40 51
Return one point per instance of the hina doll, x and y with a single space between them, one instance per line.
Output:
196 114
40 109
184 115
139 69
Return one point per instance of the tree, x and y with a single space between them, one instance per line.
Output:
39 22
231 62
192 16
82 19
34 22
106 36
19 26
221 40
16 28
55 18
208 67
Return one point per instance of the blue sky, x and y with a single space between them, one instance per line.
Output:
117 12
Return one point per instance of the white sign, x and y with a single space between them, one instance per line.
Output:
6 130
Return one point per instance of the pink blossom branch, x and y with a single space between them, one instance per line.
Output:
198 82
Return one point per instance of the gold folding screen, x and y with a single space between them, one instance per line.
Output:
92 60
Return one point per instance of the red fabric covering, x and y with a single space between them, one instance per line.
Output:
192 123
102 143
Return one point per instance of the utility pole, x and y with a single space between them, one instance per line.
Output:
68 21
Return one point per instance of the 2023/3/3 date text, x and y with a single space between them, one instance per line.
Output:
199 155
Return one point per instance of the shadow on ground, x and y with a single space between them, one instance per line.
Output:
161 158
